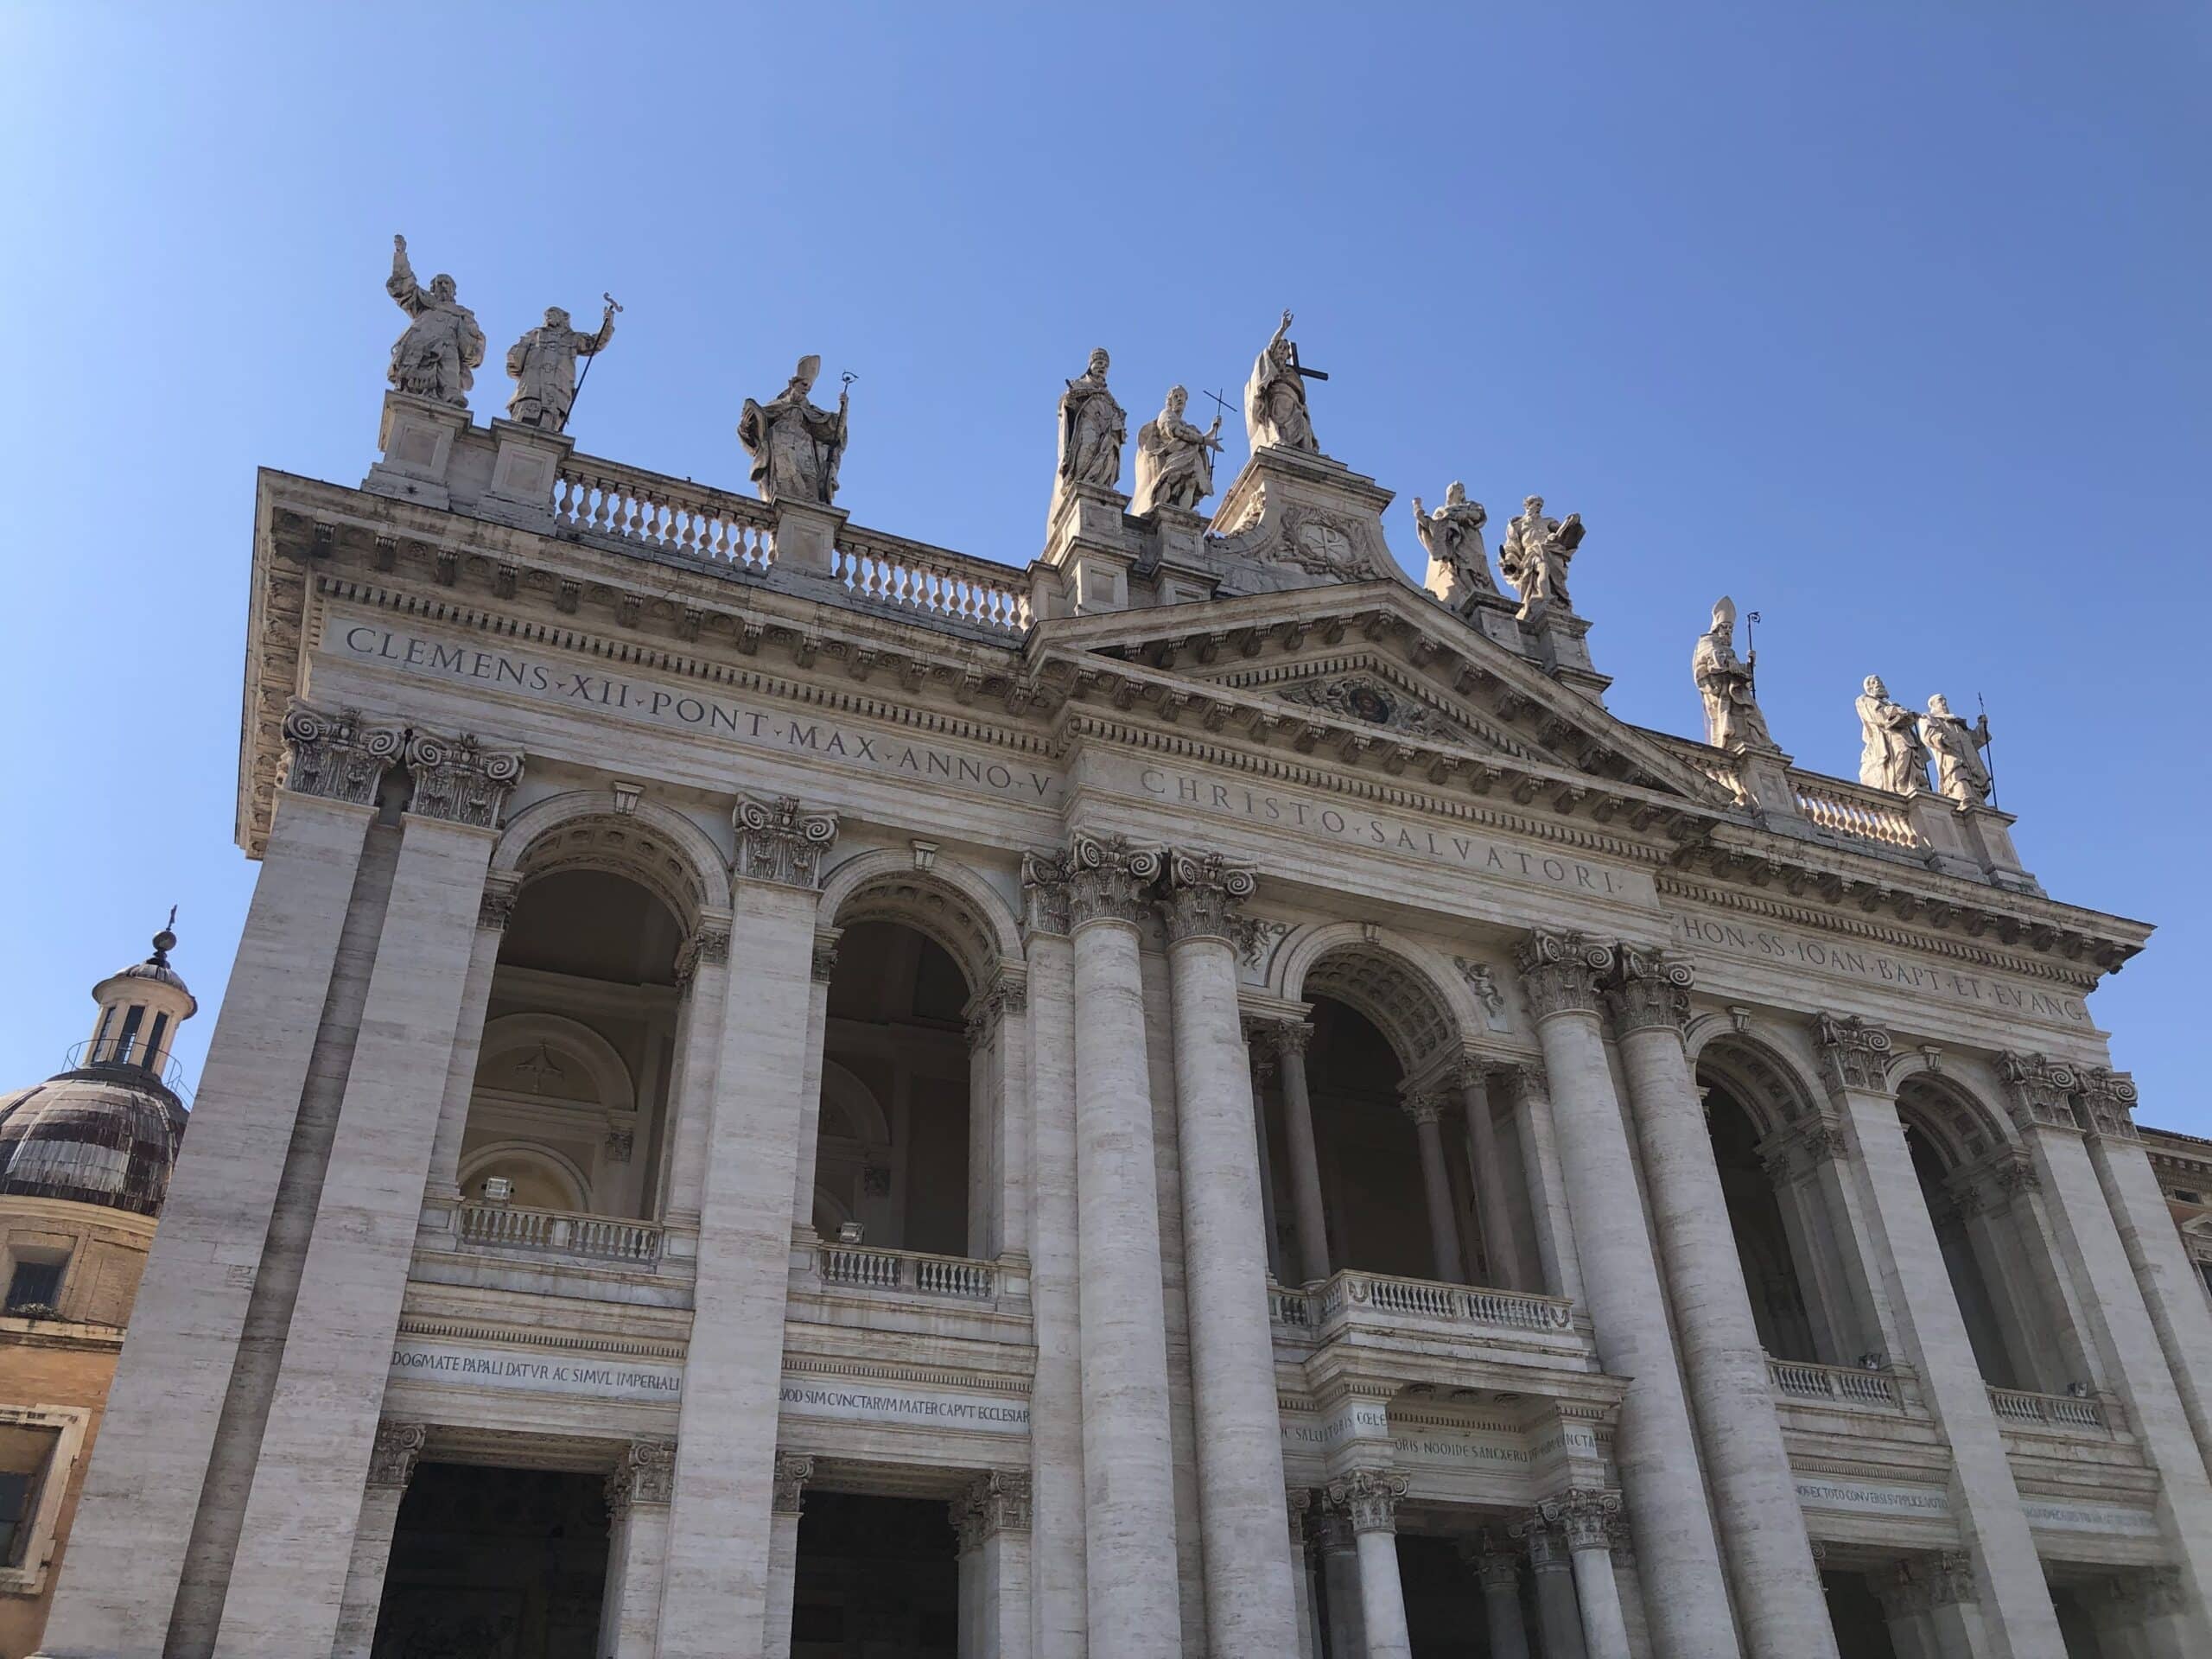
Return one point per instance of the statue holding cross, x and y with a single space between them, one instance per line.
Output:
1275 398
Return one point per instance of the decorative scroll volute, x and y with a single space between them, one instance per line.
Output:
1370 1498
2108 1102
1111 879
338 755
1854 1056
458 780
391 1460
2038 1091
781 840
1561 972
1205 897
1648 991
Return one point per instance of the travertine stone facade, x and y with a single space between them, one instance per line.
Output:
1229 1077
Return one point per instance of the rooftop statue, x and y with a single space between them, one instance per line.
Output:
1275 398
1733 720
795 446
1092 429
1961 773
1175 458
442 344
543 365
1893 758
1459 567
1536 553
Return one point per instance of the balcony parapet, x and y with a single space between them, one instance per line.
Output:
1350 1291
559 1232
1842 1385
2060 1411
867 1268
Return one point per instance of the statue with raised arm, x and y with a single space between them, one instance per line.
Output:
543 365
437 357
1459 567
1893 758
1536 553
1275 398
1174 458
1733 720
795 446
1092 429
1961 773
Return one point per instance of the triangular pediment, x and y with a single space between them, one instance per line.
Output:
1367 668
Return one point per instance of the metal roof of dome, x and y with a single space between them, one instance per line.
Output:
156 967
102 1136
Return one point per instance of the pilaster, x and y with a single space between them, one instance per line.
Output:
397 1448
638 1494
786 1503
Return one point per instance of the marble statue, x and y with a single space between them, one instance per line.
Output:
1275 398
1092 429
1536 553
1961 773
437 355
1459 567
1893 758
1733 720
543 365
1175 458
795 446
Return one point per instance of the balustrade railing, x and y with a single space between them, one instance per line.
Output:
866 1268
669 515
1864 815
931 581
560 1232
1841 1384
1369 1293
2047 1410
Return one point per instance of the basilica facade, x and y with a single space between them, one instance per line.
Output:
789 1091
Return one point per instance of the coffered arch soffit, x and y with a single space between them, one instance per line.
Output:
1411 995
651 843
1959 1123
1767 1081
949 902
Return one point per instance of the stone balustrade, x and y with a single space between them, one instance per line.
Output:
1352 1293
1857 814
559 1232
2060 1411
867 1268
667 515
932 583
1843 1385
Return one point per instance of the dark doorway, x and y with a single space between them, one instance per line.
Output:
1444 1600
877 1576
1861 1630
495 1563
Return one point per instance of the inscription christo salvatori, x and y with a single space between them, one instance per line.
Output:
1385 833
1875 967
765 727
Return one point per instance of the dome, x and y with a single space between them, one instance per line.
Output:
156 968
92 1137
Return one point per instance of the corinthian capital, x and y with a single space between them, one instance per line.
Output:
1561 971
2108 1100
645 1475
792 1472
1044 891
458 781
2038 1092
1109 879
1586 1515
1648 991
338 755
1205 895
782 841
1370 1498
1854 1055
392 1458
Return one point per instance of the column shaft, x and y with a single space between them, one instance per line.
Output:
1129 1479
1604 1629
1436 1189
128 1539
698 1064
1778 1590
391 1465
288 1575
821 965
1500 1575
1298 1501
468 1046
783 1583
1250 1607
1382 1596
714 1599
1305 1159
1555 1251
1493 1208
1557 1611
1656 1449
1339 1556
636 1560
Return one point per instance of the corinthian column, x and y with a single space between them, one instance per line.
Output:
637 1548
1497 1569
1370 1498
1586 1519
1426 1112
1290 1038
392 1466
1656 1449
1250 1606
714 1596
1778 1588
792 1472
1128 1475
288 1578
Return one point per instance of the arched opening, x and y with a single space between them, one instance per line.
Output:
1956 1236
570 1108
1780 1307
1367 1147
891 1149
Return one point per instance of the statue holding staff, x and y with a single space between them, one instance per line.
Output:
1275 398
1093 427
1961 772
795 446
1733 720
543 365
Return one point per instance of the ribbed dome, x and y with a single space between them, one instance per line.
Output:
92 1137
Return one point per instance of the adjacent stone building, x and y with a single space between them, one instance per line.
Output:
84 1162
789 1091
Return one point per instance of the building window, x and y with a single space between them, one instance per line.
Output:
36 1281
26 1453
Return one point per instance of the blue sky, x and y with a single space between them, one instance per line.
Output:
1889 321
